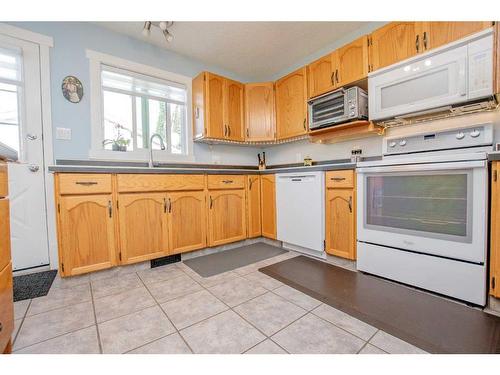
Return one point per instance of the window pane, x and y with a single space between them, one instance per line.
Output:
8 104
10 64
177 118
157 121
117 121
9 135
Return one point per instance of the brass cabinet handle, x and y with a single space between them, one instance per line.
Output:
424 39
1 327
165 205
417 43
211 202
227 181
337 178
169 206
110 208
304 124
332 78
229 130
350 204
250 184
86 183
337 75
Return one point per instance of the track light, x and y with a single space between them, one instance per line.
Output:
163 25
168 36
146 30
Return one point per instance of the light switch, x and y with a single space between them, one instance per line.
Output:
63 133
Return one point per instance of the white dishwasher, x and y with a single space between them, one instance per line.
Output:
300 205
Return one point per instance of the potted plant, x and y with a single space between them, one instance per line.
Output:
119 143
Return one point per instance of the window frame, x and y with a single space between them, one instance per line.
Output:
96 61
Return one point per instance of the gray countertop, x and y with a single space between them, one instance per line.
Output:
494 155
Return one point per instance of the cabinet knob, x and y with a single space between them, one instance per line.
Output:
1 327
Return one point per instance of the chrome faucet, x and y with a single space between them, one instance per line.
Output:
162 146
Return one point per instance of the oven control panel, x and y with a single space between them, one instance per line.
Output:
473 136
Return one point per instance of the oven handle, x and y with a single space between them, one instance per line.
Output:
424 167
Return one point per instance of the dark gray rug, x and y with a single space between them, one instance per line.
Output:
33 285
213 264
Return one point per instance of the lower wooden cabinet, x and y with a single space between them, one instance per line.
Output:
226 216
268 205
253 207
86 233
6 308
495 231
187 226
4 233
143 226
340 233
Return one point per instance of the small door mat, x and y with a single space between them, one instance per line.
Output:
214 264
435 324
33 285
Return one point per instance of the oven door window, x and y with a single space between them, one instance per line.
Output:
436 205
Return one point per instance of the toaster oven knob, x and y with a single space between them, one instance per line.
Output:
402 142
392 144
475 133
460 135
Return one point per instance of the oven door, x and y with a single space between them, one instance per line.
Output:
437 209
328 109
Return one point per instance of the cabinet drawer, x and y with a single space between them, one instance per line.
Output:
4 233
6 306
226 182
4 188
84 183
340 179
129 183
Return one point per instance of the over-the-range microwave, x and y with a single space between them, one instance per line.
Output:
338 107
451 75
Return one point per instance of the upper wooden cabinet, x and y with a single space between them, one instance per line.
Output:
394 42
436 34
259 111
253 206
352 62
86 233
218 110
291 104
268 205
321 75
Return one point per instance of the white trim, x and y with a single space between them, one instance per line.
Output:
27 35
96 151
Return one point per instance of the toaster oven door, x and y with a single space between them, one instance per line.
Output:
327 110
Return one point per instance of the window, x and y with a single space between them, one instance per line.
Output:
11 86
130 103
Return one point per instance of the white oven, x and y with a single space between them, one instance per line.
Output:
422 216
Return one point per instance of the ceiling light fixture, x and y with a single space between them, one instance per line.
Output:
146 30
162 25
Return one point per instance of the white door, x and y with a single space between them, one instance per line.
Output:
21 129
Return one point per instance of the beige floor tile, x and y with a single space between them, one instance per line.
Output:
312 335
128 332
114 285
263 280
60 297
120 304
192 308
113 272
266 347
208 282
54 323
358 328
83 341
370 349
297 297
17 325
236 291
393 345
71 281
171 289
172 344
269 312
20 308
226 333
154 275
254 267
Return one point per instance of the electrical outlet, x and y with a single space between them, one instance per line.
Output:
63 134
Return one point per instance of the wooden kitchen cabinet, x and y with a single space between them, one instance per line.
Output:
4 233
187 224
291 104
495 230
226 216
6 309
436 34
218 107
321 75
268 205
340 231
352 62
253 206
143 226
86 233
394 42
260 112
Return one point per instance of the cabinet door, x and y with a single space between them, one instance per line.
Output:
214 102
4 233
143 226
291 104
253 207
86 233
6 306
234 112
352 62
394 42
226 216
187 226
321 74
268 206
199 126
436 34
340 223
259 109
495 231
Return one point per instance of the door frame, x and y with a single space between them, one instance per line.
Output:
45 43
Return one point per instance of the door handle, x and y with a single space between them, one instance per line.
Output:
164 205
332 78
227 181
169 206
86 183
110 208
417 43
304 124
34 168
31 137
337 178
229 130
210 202
424 39
337 75
350 204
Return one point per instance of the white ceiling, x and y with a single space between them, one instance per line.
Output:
252 50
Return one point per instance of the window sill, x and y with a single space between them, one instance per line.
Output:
138 156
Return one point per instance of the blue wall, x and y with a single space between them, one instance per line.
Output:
67 57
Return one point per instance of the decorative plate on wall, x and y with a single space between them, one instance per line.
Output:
72 89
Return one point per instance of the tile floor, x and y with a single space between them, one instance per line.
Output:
171 309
